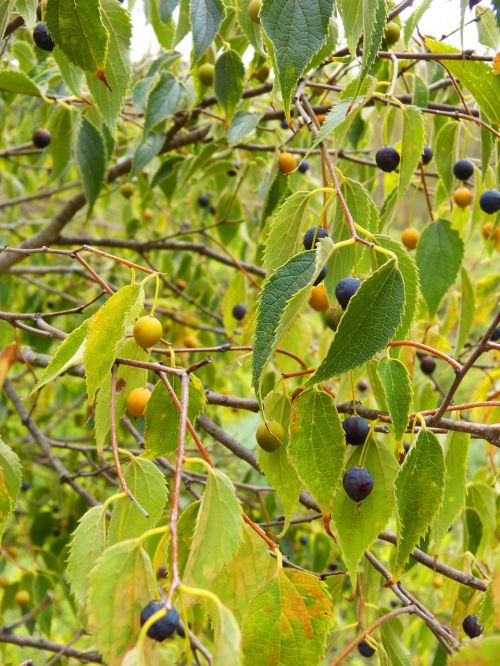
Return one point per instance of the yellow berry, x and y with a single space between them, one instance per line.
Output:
190 342
318 299
287 163
22 598
409 238
147 331
4 583
462 197
270 436
254 10
437 582
137 401
206 74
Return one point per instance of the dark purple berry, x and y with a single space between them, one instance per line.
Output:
304 166
234 168
490 201
471 626
358 483
321 276
313 235
356 430
284 124
165 626
346 289
365 650
41 138
427 155
427 365
387 159
25 485
463 169
203 201
239 311
363 385
496 334
42 38
303 539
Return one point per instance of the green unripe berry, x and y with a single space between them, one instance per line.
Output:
206 74
262 74
392 32
270 436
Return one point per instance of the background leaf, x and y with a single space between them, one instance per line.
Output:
91 161
205 17
398 393
10 482
163 101
229 80
412 146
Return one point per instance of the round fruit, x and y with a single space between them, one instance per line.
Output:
137 401
206 74
254 10
387 159
203 201
25 485
495 335
181 284
147 215
41 138
190 342
165 626
463 169
427 155
304 166
287 163
235 167
409 238
490 201
437 583
42 38
22 598
127 190
471 626
427 365
358 483
262 74
284 124
331 319
356 430
392 33
320 118
365 650
313 235
318 299
4 583
303 539
321 276
346 289
462 197
363 385
491 234
270 435
239 311
147 331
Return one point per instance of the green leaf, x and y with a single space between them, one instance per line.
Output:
18 82
478 77
361 205
163 101
162 416
373 33
288 621
77 27
119 586
454 484
467 308
419 493
218 532
68 353
398 392
285 235
317 445
445 153
91 161
297 30
227 639
368 324
87 545
412 146
334 117
147 485
229 80
351 12
205 17
148 148
357 524
6 7
109 98
439 256
277 191
106 330
60 146
10 482
487 30
242 125
412 21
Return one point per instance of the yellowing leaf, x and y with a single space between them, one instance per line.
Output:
10 482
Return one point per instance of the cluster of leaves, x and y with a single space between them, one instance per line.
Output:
179 178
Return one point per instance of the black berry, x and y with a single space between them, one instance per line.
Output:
365 650
387 159
490 201
346 289
304 166
358 483
496 334
356 430
239 311
203 201
303 539
25 485
363 385
427 365
427 155
41 138
463 169
284 123
234 168
321 276
471 626
313 235
42 38
165 626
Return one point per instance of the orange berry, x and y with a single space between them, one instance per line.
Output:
318 299
147 215
287 163
462 197
4 583
190 342
137 401
491 234
320 118
147 331
437 582
22 598
181 284
409 238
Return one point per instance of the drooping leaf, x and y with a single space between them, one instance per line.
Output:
467 307
358 524
68 353
78 29
285 238
412 146
361 205
229 80
298 608
91 161
205 17
351 12
445 153
398 392
163 101
419 492
336 116
439 256
297 30
373 34
147 485
10 482
317 445
487 29
60 146
412 21
368 324
107 329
